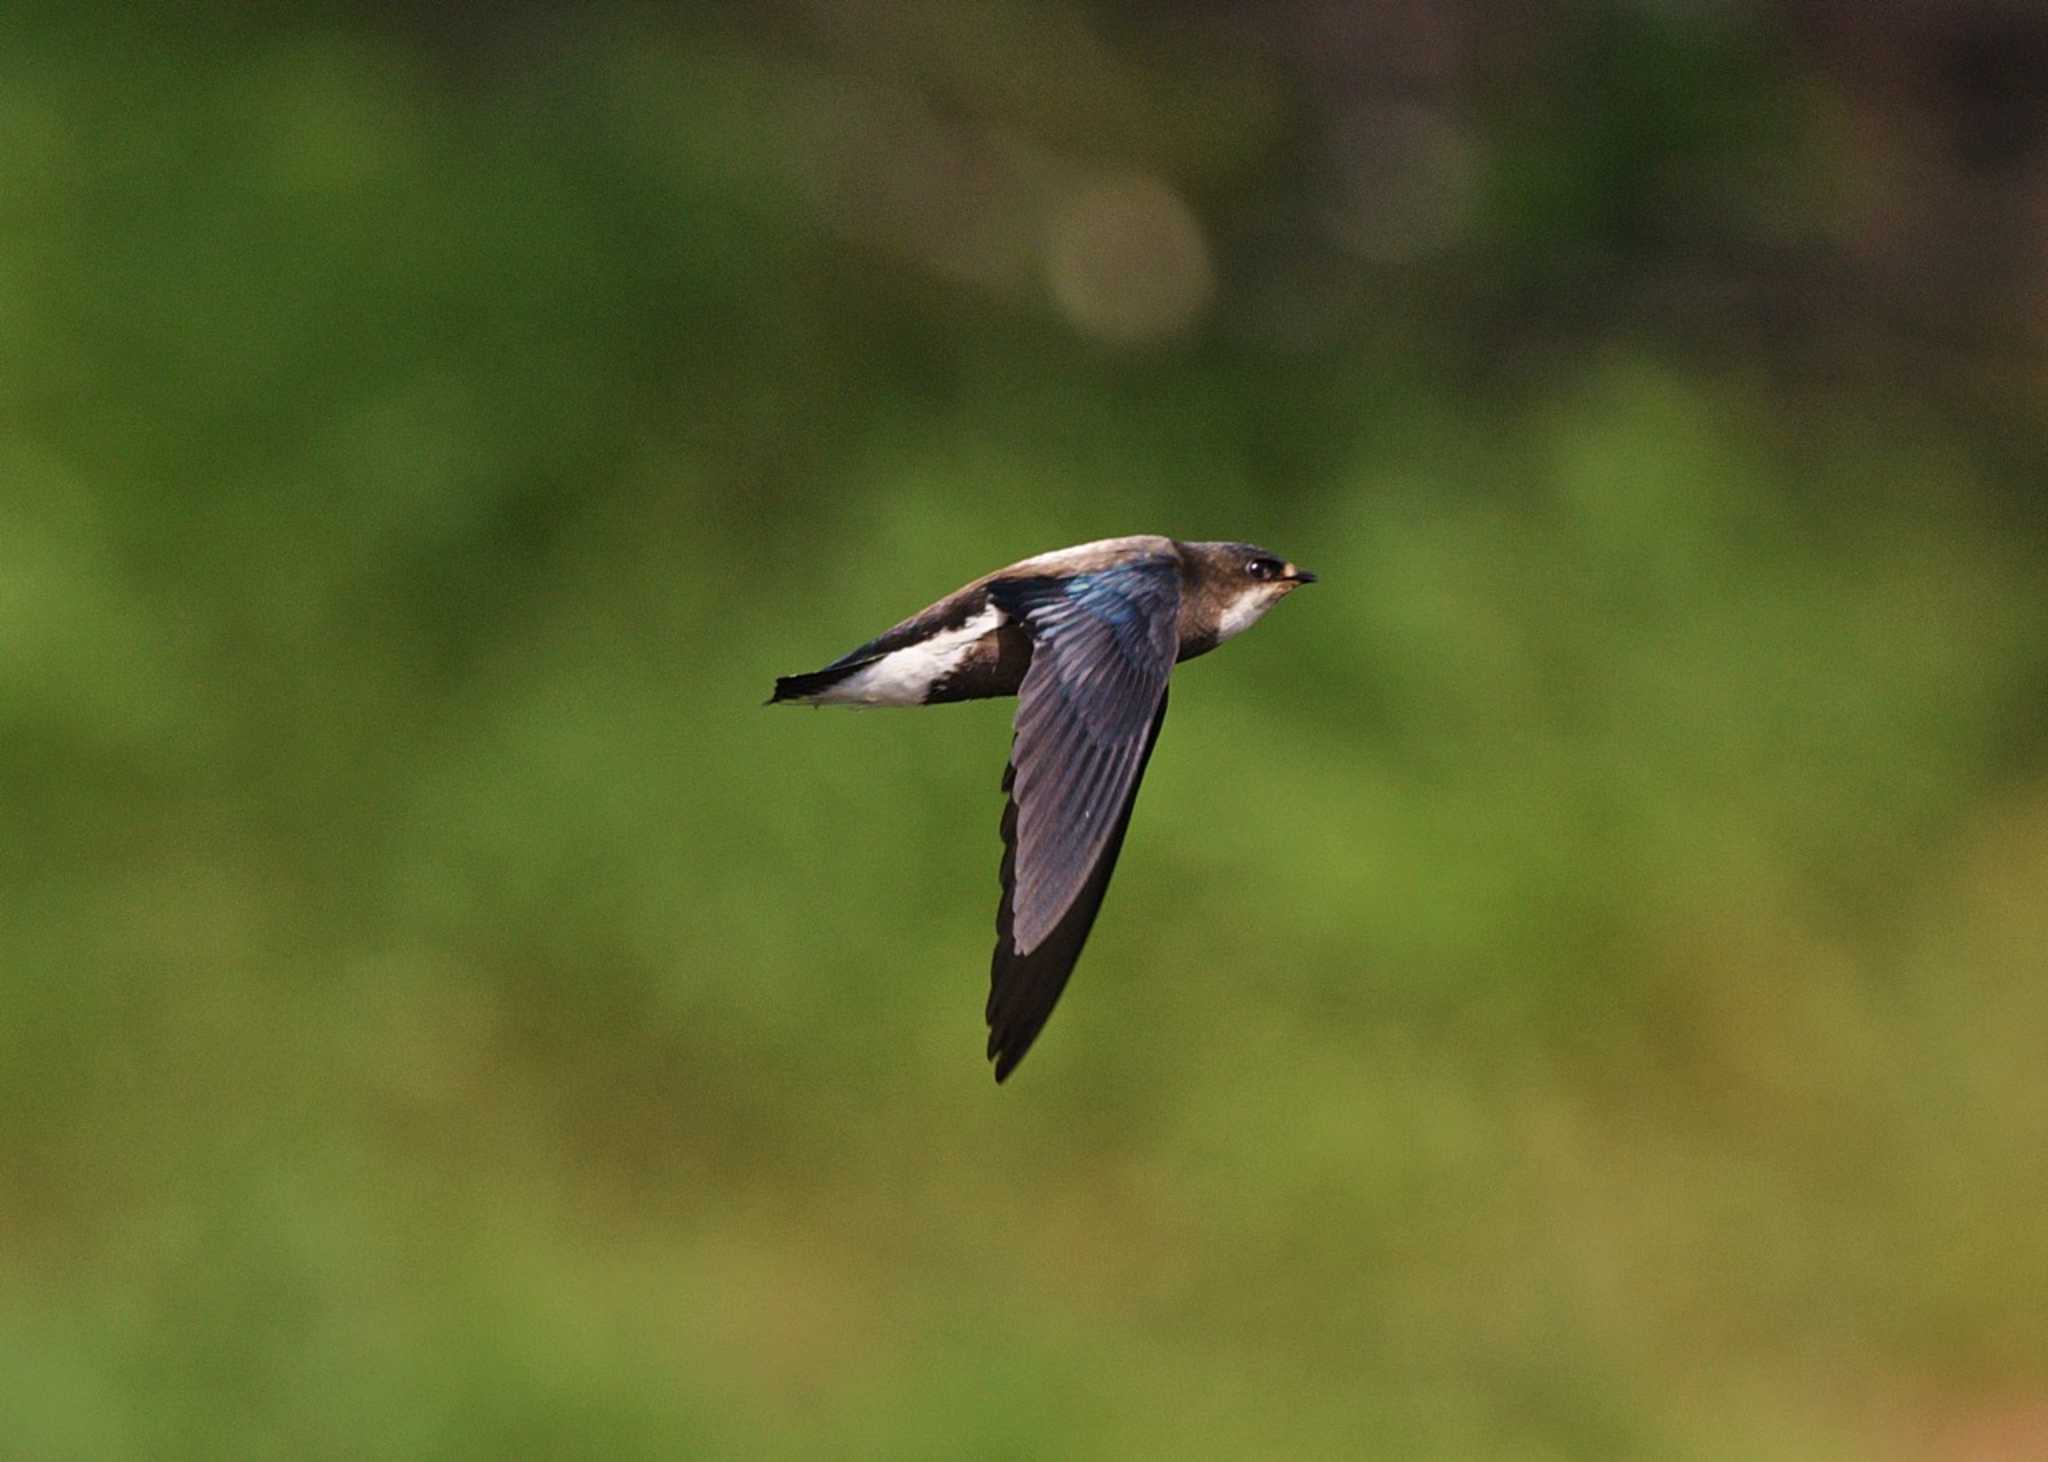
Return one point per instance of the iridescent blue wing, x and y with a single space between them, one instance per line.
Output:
1103 644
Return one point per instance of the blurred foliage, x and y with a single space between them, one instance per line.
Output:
1574 986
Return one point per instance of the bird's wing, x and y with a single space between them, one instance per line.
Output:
1090 707
1024 987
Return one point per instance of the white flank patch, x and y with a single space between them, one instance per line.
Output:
901 677
1245 611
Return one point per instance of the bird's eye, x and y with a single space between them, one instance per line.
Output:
1262 568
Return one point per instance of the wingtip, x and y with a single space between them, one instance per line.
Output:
1014 1030
1004 1061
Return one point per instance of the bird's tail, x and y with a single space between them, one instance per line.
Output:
805 689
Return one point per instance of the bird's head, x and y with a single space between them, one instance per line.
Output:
1243 581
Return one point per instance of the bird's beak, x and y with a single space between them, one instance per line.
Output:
1298 576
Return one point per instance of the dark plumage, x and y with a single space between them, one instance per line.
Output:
1085 637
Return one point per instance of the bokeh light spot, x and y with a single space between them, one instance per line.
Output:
1127 261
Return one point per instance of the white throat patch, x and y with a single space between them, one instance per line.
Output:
1244 611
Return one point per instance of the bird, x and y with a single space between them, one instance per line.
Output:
1085 638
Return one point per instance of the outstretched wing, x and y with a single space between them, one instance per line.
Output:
1024 987
1103 644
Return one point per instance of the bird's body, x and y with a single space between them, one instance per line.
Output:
1086 638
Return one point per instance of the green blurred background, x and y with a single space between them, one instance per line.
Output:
1574 986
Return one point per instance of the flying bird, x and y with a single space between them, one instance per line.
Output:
1085 638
